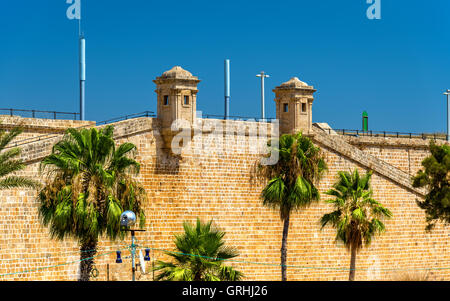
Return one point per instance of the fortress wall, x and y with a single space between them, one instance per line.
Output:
223 187
403 153
24 244
39 128
405 245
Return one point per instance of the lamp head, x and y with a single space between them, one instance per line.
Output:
127 219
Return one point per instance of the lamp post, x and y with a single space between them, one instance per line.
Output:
262 75
448 113
127 220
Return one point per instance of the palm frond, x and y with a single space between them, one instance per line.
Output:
15 181
99 181
7 136
356 212
200 252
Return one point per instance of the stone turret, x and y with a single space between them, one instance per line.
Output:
177 96
294 100
176 91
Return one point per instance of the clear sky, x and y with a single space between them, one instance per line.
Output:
396 68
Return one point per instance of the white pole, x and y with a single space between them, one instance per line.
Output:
227 88
448 113
448 119
82 68
262 99
133 251
82 75
262 75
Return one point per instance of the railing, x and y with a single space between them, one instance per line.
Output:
387 134
49 136
39 114
212 116
126 117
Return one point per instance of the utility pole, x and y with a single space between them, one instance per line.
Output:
74 12
82 67
227 89
448 113
262 75
82 75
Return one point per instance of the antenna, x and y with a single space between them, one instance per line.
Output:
82 67
79 24
227 88
74 12
82 75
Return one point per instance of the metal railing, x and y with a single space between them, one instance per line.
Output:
244 118
126 117
40 114
387 134
49 136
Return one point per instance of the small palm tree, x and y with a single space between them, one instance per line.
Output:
200 254
357 215
292 181
10 163
89 186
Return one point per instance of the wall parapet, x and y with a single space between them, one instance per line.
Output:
40 124
339 145
40 147
415 143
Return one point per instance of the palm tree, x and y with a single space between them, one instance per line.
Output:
292 181
357 215
11 164
200 253
89 186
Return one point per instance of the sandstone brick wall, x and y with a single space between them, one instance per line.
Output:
403 153
37 128
222 186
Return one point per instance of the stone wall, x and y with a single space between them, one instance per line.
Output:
223 186
37 128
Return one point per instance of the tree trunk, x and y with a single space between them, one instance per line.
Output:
284 247
198 276
88 250
352 264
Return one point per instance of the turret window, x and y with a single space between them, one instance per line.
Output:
303 107
285 107
166 100
186 100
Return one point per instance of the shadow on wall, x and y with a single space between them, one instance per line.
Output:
166 162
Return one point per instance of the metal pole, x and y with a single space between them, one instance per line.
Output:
227 89
82 75
448 119
133 250
262 99
262 75
448 113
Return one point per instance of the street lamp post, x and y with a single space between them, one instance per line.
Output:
127 220
262 75
448 113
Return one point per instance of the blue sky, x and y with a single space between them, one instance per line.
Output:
396 68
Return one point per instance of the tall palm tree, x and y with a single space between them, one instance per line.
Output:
293 181
357 215
11 164
90 184
205 253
